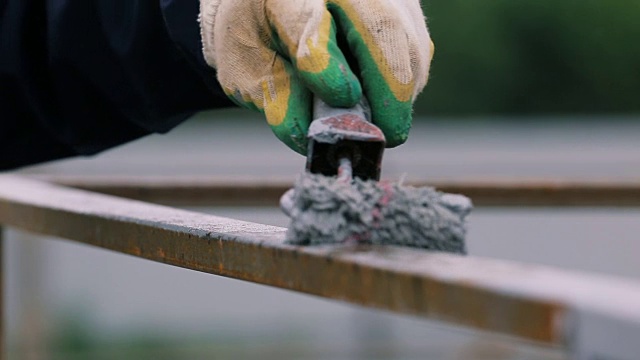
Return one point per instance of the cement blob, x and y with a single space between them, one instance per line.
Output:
326 211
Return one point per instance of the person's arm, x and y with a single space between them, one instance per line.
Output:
79 77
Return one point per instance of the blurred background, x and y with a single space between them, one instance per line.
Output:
519 57
519 90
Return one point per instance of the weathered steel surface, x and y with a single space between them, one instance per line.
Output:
261 192
526 301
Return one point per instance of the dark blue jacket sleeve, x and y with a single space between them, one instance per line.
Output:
81 76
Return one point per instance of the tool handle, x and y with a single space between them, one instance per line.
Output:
344 142
323 110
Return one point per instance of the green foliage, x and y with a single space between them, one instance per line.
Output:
525 57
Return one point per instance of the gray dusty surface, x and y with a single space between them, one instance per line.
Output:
324 210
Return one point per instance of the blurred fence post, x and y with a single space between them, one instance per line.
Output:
3 355
33 329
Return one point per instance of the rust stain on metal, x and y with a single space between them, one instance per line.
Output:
351 122
134 250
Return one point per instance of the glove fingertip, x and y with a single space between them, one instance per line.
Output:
395 125
396 139
290 125
291 135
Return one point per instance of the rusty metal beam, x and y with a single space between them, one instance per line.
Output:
530 302
180 191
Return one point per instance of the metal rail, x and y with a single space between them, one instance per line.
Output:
582 312
251 192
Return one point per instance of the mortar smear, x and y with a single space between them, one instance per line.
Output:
324 210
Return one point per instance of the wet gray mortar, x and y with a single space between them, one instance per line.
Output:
324 210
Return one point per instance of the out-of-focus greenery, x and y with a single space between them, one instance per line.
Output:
76 337
542 56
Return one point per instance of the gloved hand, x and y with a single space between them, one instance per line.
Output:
271 55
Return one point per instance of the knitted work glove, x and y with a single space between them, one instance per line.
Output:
273 55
